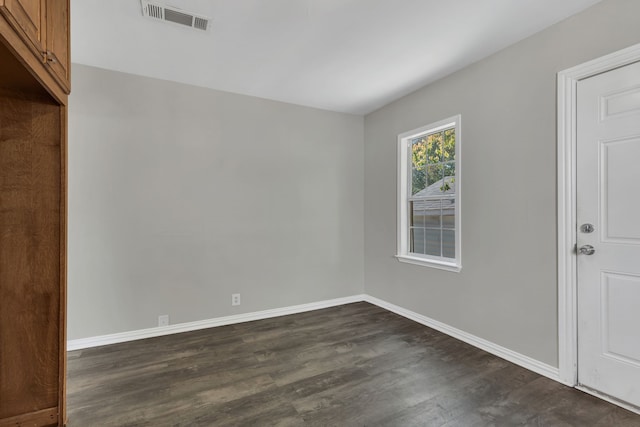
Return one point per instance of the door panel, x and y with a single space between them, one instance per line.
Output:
620 296
58 41
621 177
608 196
28 17
617 103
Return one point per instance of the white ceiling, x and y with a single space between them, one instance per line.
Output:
342 55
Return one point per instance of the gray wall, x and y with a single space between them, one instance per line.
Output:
180 196
506 292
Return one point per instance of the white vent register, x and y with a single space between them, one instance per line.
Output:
158 11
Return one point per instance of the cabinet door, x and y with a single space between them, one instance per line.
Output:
28 19
57 41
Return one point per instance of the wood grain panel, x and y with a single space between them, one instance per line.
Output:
62 321
32 64
42 418
28 19
30 236
57 42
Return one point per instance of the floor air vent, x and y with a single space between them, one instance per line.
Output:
157 11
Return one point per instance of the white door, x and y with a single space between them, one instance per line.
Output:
608 198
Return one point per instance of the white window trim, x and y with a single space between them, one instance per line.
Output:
403 254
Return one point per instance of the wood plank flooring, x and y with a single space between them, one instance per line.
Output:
353 365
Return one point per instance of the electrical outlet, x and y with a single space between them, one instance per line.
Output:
235 299
163 320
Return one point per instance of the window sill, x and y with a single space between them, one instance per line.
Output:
442 265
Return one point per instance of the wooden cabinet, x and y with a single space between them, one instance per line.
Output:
57 43
28 19
43 25
33 159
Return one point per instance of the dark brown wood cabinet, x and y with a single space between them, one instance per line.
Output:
57 43
43 25
33 153
28 19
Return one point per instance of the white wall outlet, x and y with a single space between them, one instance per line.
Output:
163 320
235 299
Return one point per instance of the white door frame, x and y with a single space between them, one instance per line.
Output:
566 175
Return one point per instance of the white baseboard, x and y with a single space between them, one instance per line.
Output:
488 346
82 343
503 352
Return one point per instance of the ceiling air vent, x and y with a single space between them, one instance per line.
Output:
157 11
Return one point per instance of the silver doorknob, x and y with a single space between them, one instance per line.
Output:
587 250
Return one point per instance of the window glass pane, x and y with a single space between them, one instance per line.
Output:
448 221
448 213
432 221
446 186
419 152
449 146
432 213
418 180
416 213
434 174
449 168
433 242
417 241
434 148
448 243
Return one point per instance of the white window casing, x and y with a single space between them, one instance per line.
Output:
453 196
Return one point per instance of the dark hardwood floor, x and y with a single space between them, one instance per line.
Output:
353 365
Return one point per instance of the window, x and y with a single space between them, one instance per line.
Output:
429 195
